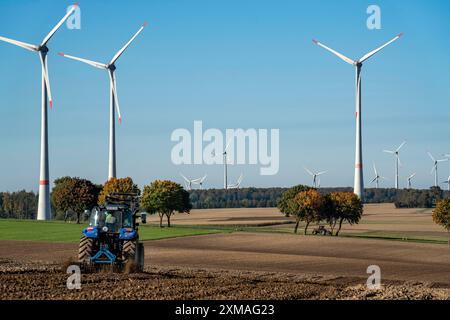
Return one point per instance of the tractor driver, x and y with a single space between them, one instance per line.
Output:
110 222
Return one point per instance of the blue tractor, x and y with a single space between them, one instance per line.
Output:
112 237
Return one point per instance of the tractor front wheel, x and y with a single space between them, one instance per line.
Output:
85 249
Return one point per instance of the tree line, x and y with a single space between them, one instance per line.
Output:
269 197
23 204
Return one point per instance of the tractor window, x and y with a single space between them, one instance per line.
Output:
112 220
97 218
127 219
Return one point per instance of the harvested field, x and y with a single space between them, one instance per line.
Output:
30 281
249 265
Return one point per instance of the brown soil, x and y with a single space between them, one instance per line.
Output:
237 266
38 281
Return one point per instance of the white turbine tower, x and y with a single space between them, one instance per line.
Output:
377 177
315 175
238 183
225 166
409 180
397 161
435 168
359 181
44 209
114 102
448 183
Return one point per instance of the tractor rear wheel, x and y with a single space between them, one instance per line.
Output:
129 251
139 258
85 249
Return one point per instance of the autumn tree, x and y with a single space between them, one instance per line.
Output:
441 214
74 194
287 196
165 198
118 185
345 206
305 206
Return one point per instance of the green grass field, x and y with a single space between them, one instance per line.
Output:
56 231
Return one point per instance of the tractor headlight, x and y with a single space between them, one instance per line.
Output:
105 229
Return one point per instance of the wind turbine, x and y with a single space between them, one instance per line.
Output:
315 175
114 102
377 177
237 184
435 168
44 210
448 183
187 182
409 180
225 164
200 181
359 181
397 161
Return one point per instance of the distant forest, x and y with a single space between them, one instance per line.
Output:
268 197
23 204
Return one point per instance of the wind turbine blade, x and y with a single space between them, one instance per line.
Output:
185 179
228 145
89 62
20 44
307 170
116 99
412 176
203 179
399 161
432 169
375 169
346 59
389 151
60 23
119 53
370 54
375 179
431 156
321 173
442 160
401 146
47 81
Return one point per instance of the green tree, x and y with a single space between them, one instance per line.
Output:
441 214
306 206
347 207
287 196
74 194
115 185
165 198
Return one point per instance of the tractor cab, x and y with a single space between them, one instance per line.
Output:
112 219
112 236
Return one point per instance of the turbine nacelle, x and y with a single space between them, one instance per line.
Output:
44 49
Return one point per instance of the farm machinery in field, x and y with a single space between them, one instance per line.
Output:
112 237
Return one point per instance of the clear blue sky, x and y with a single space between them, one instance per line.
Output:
232 64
